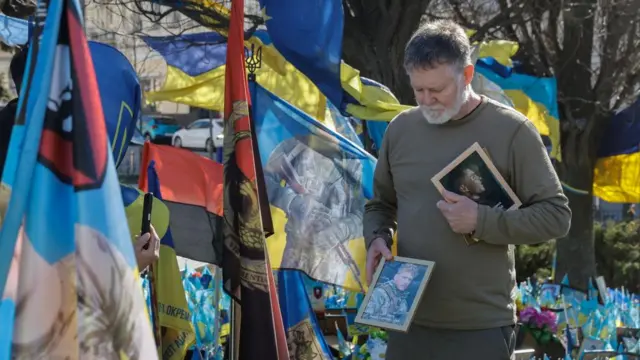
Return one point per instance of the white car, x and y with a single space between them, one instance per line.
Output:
197 135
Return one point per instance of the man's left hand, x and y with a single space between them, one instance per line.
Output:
460 211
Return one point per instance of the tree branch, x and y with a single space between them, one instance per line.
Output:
617 22
503 19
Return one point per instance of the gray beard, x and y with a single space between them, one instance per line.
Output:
447 114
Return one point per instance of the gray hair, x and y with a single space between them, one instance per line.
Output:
437 43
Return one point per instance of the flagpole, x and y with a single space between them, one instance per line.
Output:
217 289
253 61
212 149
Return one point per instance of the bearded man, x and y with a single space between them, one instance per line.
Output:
468 308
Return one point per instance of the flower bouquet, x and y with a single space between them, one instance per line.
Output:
538 327
541 323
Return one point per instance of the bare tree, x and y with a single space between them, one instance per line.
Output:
375 33
18 8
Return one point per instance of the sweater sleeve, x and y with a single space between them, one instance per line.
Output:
545 212
380 212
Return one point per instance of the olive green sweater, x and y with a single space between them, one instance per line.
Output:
471 287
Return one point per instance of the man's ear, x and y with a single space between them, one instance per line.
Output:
475 53
468 73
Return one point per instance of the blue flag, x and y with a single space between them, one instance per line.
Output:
317 183
65 225
299 319
120 95
309 35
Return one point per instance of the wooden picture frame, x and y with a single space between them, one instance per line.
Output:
474 165
400 274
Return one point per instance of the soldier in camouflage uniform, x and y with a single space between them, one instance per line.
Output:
319 187
388 302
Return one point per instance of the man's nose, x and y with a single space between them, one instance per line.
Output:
427 99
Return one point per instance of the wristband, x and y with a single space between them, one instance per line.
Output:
386 235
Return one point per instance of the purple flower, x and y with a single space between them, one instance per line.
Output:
527 314
539 319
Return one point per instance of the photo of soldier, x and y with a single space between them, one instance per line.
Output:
318 186
473 179
394 293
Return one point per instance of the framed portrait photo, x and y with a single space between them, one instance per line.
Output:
473 174
394 294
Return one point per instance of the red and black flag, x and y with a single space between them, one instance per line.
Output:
191 188
257 323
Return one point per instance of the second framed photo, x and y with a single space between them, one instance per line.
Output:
394 294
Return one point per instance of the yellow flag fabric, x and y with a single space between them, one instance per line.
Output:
501 50
207 90
616 178
173 311
376 103
546 124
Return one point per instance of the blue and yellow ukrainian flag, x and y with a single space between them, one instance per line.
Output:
534 97
340 179
308 34
73 272
196 64
617 172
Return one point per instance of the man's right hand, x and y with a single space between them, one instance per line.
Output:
377 250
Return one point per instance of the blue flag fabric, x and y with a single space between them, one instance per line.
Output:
622 135
317 182
13 31
65 225
194 54
376 129
309 35
120 95
299 319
